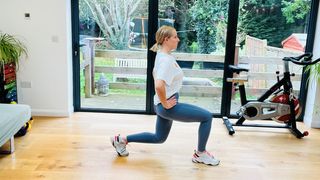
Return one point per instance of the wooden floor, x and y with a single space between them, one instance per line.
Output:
78 148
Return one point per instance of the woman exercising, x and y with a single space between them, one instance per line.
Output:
168 80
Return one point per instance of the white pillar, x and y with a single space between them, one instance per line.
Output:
312 111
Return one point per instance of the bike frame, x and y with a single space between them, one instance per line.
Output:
285 81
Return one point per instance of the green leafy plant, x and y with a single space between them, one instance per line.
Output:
206 15
314 71
11 49
296 10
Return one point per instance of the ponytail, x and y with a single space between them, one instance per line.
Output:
155 47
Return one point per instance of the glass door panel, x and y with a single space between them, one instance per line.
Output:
201 27
267 32
113 56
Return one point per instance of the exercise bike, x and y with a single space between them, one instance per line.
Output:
277 103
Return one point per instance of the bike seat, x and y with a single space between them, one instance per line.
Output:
237 69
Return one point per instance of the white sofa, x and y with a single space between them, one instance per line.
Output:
12 118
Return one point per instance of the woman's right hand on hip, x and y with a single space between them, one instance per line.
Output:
170 103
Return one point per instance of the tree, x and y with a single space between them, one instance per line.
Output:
264 20
113 18
206 14
295 10
272 19
178 11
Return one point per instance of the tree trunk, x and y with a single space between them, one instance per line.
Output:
113 17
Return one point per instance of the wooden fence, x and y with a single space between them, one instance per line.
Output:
196 90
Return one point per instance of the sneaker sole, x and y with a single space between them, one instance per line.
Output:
199 162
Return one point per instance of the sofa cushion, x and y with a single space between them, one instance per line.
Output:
12 118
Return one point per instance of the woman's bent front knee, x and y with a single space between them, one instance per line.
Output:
160 139
208 116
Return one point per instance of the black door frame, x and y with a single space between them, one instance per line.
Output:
229 57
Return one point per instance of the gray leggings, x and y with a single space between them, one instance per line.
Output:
180 112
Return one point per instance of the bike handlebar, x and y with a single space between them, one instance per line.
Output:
304 59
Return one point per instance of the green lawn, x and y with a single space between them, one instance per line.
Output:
99 61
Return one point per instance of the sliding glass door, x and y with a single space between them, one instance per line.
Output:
113 54
201 27
267 32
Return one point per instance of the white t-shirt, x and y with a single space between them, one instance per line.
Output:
167 69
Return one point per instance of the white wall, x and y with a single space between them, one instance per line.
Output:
312 113
48 67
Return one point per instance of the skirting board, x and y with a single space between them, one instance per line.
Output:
311 121
315 124
51 113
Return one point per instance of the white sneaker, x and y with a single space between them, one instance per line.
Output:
205 158
120 145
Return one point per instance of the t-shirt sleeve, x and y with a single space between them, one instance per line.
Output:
165 72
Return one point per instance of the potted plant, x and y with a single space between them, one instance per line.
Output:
312 110
314 71
10 49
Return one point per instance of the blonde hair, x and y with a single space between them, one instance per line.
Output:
162 33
